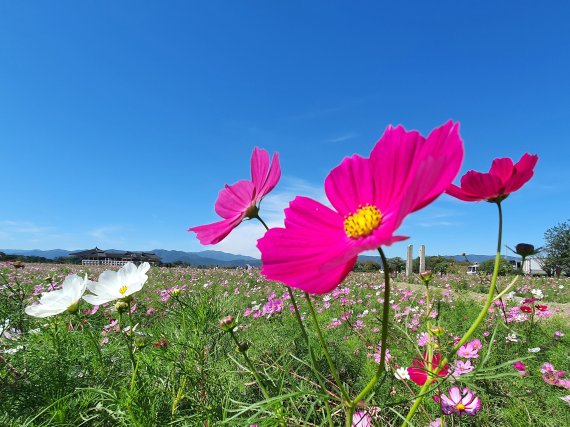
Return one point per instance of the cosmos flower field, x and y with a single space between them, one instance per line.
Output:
75 369
304 340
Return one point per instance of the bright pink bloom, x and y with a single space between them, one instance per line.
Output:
526 309
503 178
470 350
241 200
371 197
519 366
460 402
418 372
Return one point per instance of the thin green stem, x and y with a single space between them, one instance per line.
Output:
332 368
383 342
474 325
250 366
306 338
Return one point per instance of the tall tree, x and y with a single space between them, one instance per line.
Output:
557 248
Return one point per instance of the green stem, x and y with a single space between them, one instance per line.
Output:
325 350
250 366
384 337
306 338
474 326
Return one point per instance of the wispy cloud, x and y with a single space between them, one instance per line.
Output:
108 235
344 137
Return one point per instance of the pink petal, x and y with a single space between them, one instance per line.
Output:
502 169
351 185
482 185
235 199
439 162
455 394
393 160
312 253
211 234
263 176
524 170
457 192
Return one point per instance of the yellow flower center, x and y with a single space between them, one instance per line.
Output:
460 407
362 222
123 289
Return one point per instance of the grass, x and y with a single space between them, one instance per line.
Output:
76 371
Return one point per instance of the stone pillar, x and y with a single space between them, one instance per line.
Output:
410 261
422 258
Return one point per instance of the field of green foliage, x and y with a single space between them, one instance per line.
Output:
164 360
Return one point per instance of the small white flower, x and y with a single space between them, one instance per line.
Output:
510 296
12 350
534 350
560 286
113 285
512 337
537 293
402 374
58 301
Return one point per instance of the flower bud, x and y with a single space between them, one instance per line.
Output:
175 292
436 331
243 347
122 306
228 323
141 341
426 276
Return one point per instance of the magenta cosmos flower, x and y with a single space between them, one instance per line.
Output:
241 200
371 197
460 402
503 178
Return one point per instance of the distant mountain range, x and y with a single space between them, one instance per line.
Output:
214 258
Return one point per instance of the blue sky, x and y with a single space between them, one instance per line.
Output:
121 121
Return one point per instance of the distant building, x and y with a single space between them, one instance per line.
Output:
98 256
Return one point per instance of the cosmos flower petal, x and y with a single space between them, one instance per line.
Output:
313 253
350 185
264 176
484 185
439 163
502 169
234 199
210 234
113 285
457 192
394 160
60 300
524 171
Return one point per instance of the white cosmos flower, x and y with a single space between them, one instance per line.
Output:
402 374
58 301
113 285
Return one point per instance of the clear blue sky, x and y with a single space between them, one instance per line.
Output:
121 121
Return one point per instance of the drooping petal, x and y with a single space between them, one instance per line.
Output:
312 253
210 234
502 169
457 192
235 199
264 176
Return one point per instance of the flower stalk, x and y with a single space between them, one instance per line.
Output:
474 325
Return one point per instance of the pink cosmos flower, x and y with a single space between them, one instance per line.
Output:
460 402
503 178
418 372
470 350
519 366
241 200
371 197
361 419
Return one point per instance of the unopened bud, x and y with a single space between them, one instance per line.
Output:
122 306
228 323
426 276
175 292
141 342
436 331
243 347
